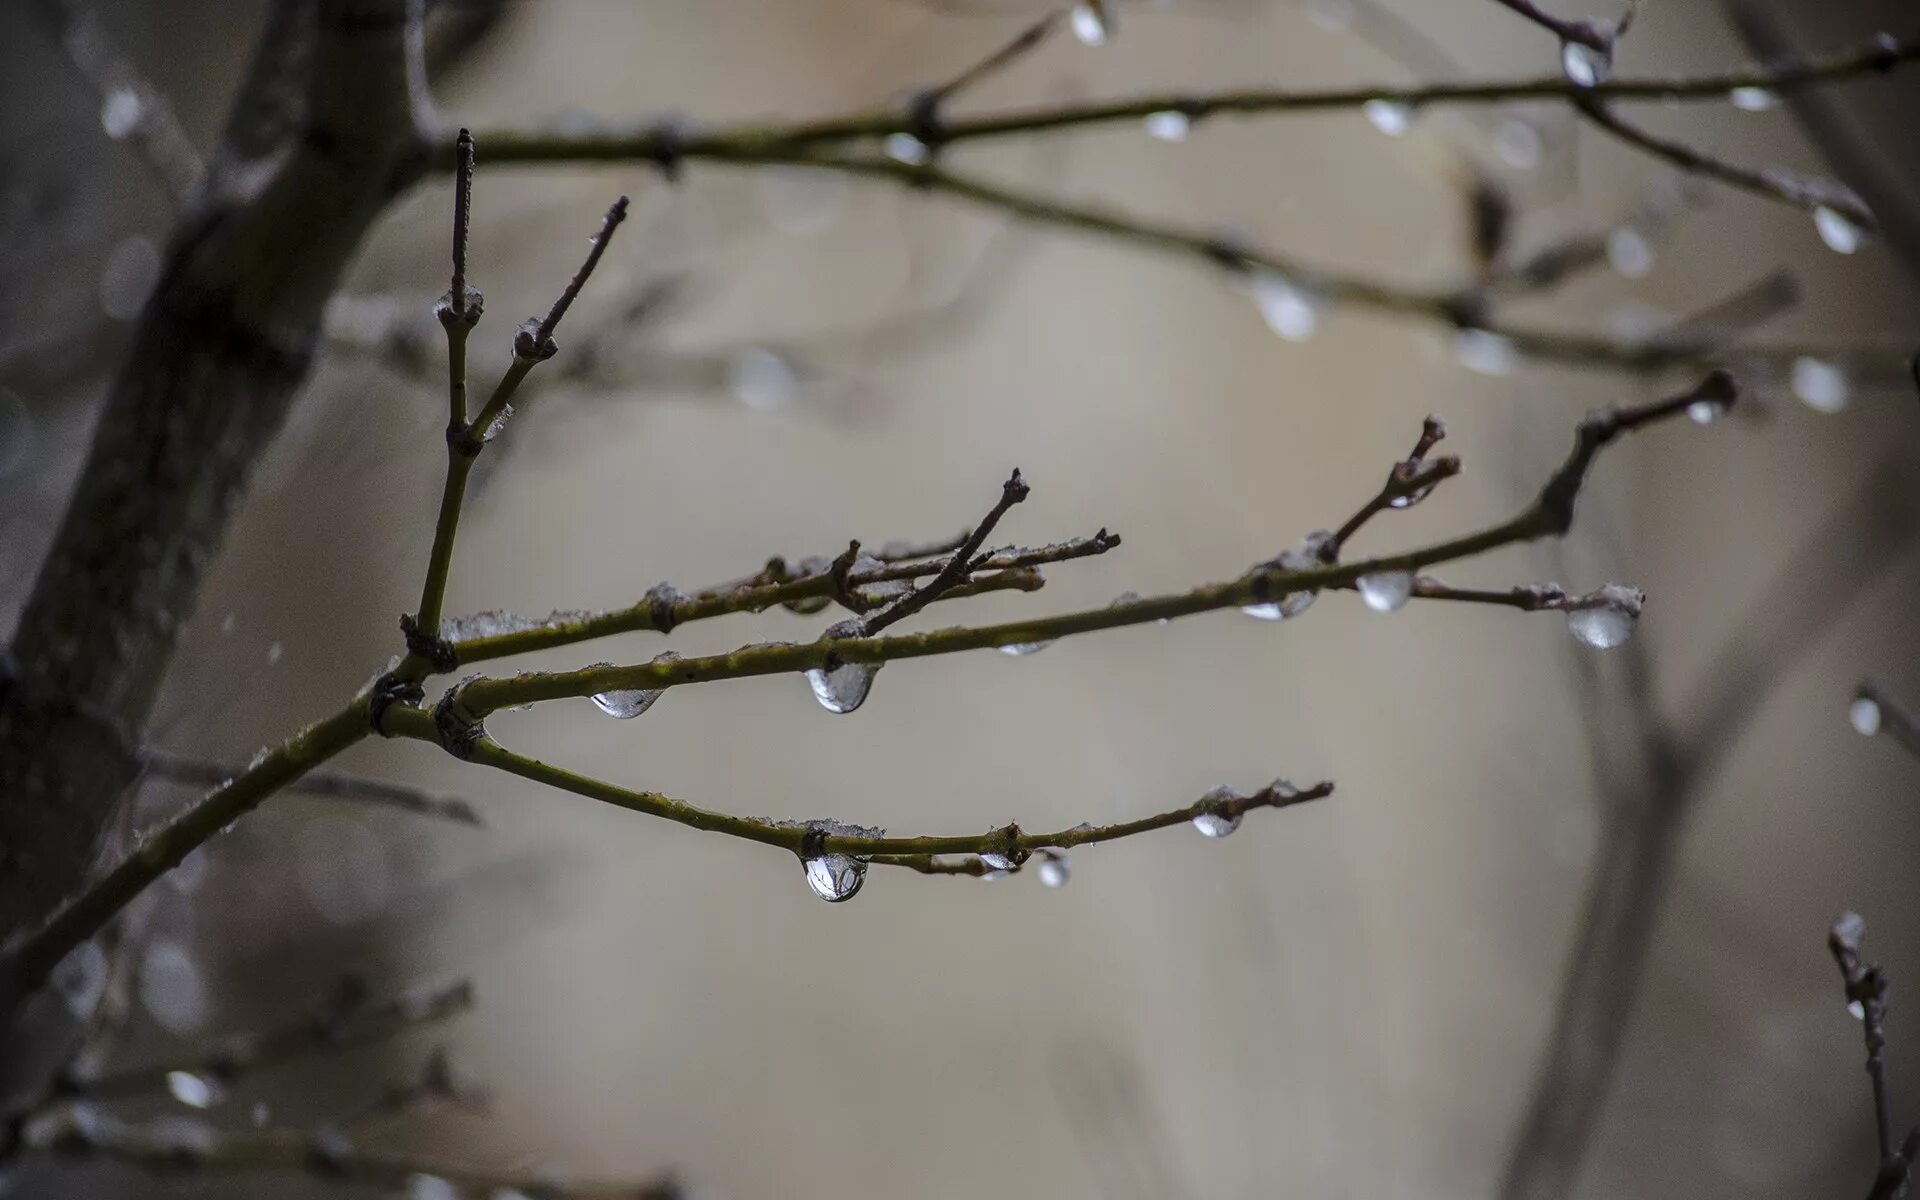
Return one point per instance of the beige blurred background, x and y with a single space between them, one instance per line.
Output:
1348 999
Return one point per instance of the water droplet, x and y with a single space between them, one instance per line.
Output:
906 148
628 704
844 687
762 380
835 877
1168 125
1386 591
172 989
1022 649
1864 715
1214 821
1304 557
1053 869
1093 22
1706 410
128 276
120 112
81 978
1391 117
1518 143
1605 618
191 873
801 200
274 652
1585 66
193 1090
1125 598
430 1187
1840 232
1754 99
1290 311
1485 352
1820 384
1629 252
1856 1010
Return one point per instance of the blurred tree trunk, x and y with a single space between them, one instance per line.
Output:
325 131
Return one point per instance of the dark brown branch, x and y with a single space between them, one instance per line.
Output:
957 567
1866 991
1407 484
930 101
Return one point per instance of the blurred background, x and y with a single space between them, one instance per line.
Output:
1353 998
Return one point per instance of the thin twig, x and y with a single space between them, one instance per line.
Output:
957 567
1024 43
1408 483
1866 991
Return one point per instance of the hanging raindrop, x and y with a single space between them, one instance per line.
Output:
1391 117
1585 66
842 687
192 1089
81 978
1486 352
628 704
1706 410
1841 233
1168 125
1606 618
762 380
1753 99
1864 715
1093 22
1215 821
1821 385
1386 591
834 877
1053 869
1290 311
1629 252
1305 557
121 110
908 149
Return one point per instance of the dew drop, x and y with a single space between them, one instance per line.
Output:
1485 352
192 1089
1706 410
120 112
1840 232
127 278
1214 821
1305 557
906 148
1856 1010
1821 385
1168 125
1585 66
630 703
1607 617
1053 869
1290 311
1386 591
835 877
762 380
1519 144
1864 715
1022 649
172 989
842 688
1391 117
1629 252
81 978
1753 99
1093 22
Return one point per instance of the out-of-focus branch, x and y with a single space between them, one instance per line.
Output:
341 1026
185 1147
131 108
176 768
1866 991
